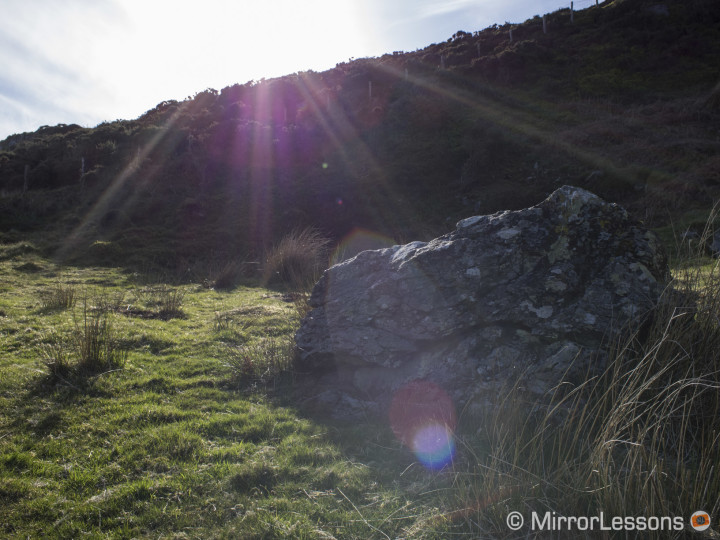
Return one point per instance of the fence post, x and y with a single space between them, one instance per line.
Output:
544 24
572 12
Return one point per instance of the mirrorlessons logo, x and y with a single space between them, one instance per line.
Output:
700 520
551 521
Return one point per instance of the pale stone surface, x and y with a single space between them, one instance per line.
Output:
530 295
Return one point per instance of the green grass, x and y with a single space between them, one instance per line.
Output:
198 434
174 444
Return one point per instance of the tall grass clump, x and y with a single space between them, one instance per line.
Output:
169 301
59 296
640 439
261 361
223 321
165 301
96 343
92 346
297 260
231 273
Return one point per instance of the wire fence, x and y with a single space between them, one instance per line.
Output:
582 4
577 5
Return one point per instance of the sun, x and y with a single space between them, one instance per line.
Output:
219 43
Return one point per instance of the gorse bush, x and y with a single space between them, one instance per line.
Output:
298 260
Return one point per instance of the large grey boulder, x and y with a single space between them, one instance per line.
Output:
530 296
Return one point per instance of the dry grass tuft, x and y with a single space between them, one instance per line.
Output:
298 260
59 296
261 361
641 439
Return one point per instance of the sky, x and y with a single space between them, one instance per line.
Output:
88 61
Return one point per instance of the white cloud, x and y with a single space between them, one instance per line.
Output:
443 8
85 61
47 55
108 59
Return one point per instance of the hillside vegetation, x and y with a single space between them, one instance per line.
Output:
153 273
619 101
132 407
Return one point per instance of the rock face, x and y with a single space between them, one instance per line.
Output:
528 295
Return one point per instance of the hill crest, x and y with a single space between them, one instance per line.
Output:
403 144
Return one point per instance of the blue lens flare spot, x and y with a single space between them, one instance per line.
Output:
434 446
423 418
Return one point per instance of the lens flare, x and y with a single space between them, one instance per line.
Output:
434 446
422 416
358 240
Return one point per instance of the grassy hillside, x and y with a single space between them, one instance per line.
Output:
131 407
177 439
620 101
147 385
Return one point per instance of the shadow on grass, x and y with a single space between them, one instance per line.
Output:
40 410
